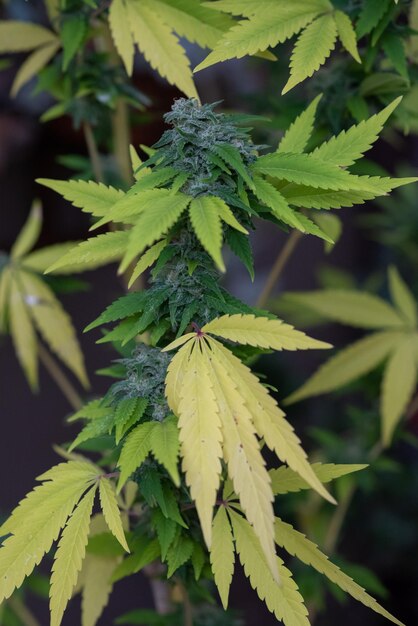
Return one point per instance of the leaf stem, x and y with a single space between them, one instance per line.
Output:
22 612
278 267
187 605
93 151
60 378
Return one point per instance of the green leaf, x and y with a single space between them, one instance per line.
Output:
29 234
399 383
147 259
273 199
94 198
165 446
298 545
95 428
18 36
178 554
93 253
166 531
347 34
39 260
351 363
73 31
226 215
402 297
142 556
350 145
298 134
371 13
284 599
119 309
222 554
312 48
354 308
69 557
135 450
285 480
160 46
126 410
154 223
268 26
111 511
394 47
232 157
207 226
241 247
33 65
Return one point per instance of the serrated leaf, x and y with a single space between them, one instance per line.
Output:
285 480
146 260
261 332
160 46
311 50
53 323
29 234
16 36
153 224
175 372
91 197
69 557
399 382
135 450
121 32
351 307
283 600
93 253
178 554
241 247
111 511
402 297
166 531
33 65
350 145
73 30
222 554
39 260
267 27
298 545
273 199
165 446
353 362
206 223
347 34
126 410
200 434
227 216
23 333
371 13
268 418
123 307
149 552
298 134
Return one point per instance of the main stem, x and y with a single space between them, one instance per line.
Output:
278 267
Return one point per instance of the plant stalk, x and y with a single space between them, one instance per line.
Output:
60 378
22 612
278 267
93 151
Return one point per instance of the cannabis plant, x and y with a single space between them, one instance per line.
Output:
180 487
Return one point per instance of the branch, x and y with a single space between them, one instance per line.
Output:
278 267
60 378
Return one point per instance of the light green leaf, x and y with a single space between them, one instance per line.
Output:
39 260
227 216
206 223
126 411
135 450
354 308
160 46
350 145
69 557
347 34
222 554
312 48
351 363
111 511
121 32
399 382
147 259
284 599
91 197
179 553
402 297
33 65
165 446
29 234
93 253
285 480
272 198
298 545
298 134
18 36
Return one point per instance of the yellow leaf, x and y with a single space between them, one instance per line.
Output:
29 234
161 47
283 600
175 371
111 511
200 436
5 278
285 480
268 418
69 557
121 32
34 64
23 333
53 322
246 466
399 382
298 545
402 297
261 332
222 554
18 36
